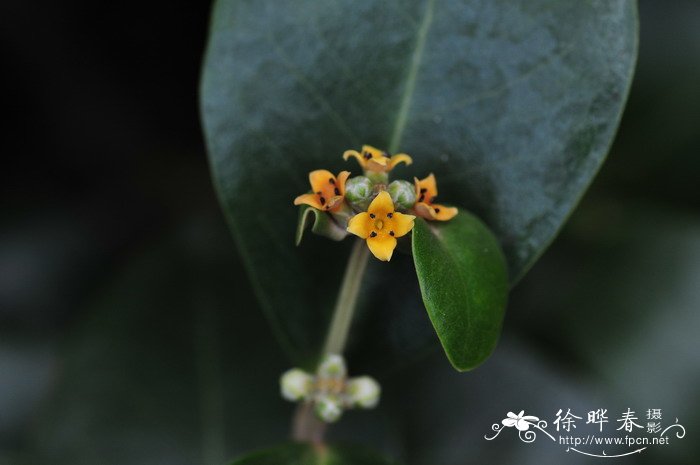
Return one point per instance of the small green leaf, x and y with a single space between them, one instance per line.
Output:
306 454
323 224
464 283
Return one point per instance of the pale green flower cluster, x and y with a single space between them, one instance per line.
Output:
330 390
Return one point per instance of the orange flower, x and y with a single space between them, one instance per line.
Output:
373 159
328 191
380 225
426 191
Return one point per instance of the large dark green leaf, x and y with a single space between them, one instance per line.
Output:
512 104
304 454
464 284
173 363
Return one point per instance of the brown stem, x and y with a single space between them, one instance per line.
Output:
306 427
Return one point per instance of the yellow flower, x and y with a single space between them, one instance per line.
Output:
328 191
373 159
426 191
381 225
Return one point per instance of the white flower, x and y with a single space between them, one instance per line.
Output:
329 408
520 421
329 390
296 384
363 391
332 366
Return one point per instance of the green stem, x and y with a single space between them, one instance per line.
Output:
345 305
305 426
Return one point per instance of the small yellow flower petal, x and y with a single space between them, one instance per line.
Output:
373 159
382 204
443 213
382 247
381 225
372 151
308 199
435 211
377 164
426 191
401 224
424 210
341 180
426 188
327 191
399 158
356 154
319 178
360 225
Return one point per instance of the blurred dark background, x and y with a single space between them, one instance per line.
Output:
128 333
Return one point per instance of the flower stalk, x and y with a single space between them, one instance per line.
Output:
347 299
306 426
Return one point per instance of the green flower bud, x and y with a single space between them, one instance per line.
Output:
358 192
328 408
403 194
377 177
363 391
332 367
296 384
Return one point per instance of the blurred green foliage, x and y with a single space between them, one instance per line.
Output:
301 454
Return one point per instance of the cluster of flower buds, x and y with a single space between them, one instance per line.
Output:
330 390
370 206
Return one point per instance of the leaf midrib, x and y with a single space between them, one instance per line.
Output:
410 84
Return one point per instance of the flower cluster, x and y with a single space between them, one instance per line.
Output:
371 207
330 390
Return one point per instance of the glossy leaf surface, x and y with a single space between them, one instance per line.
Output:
464 283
